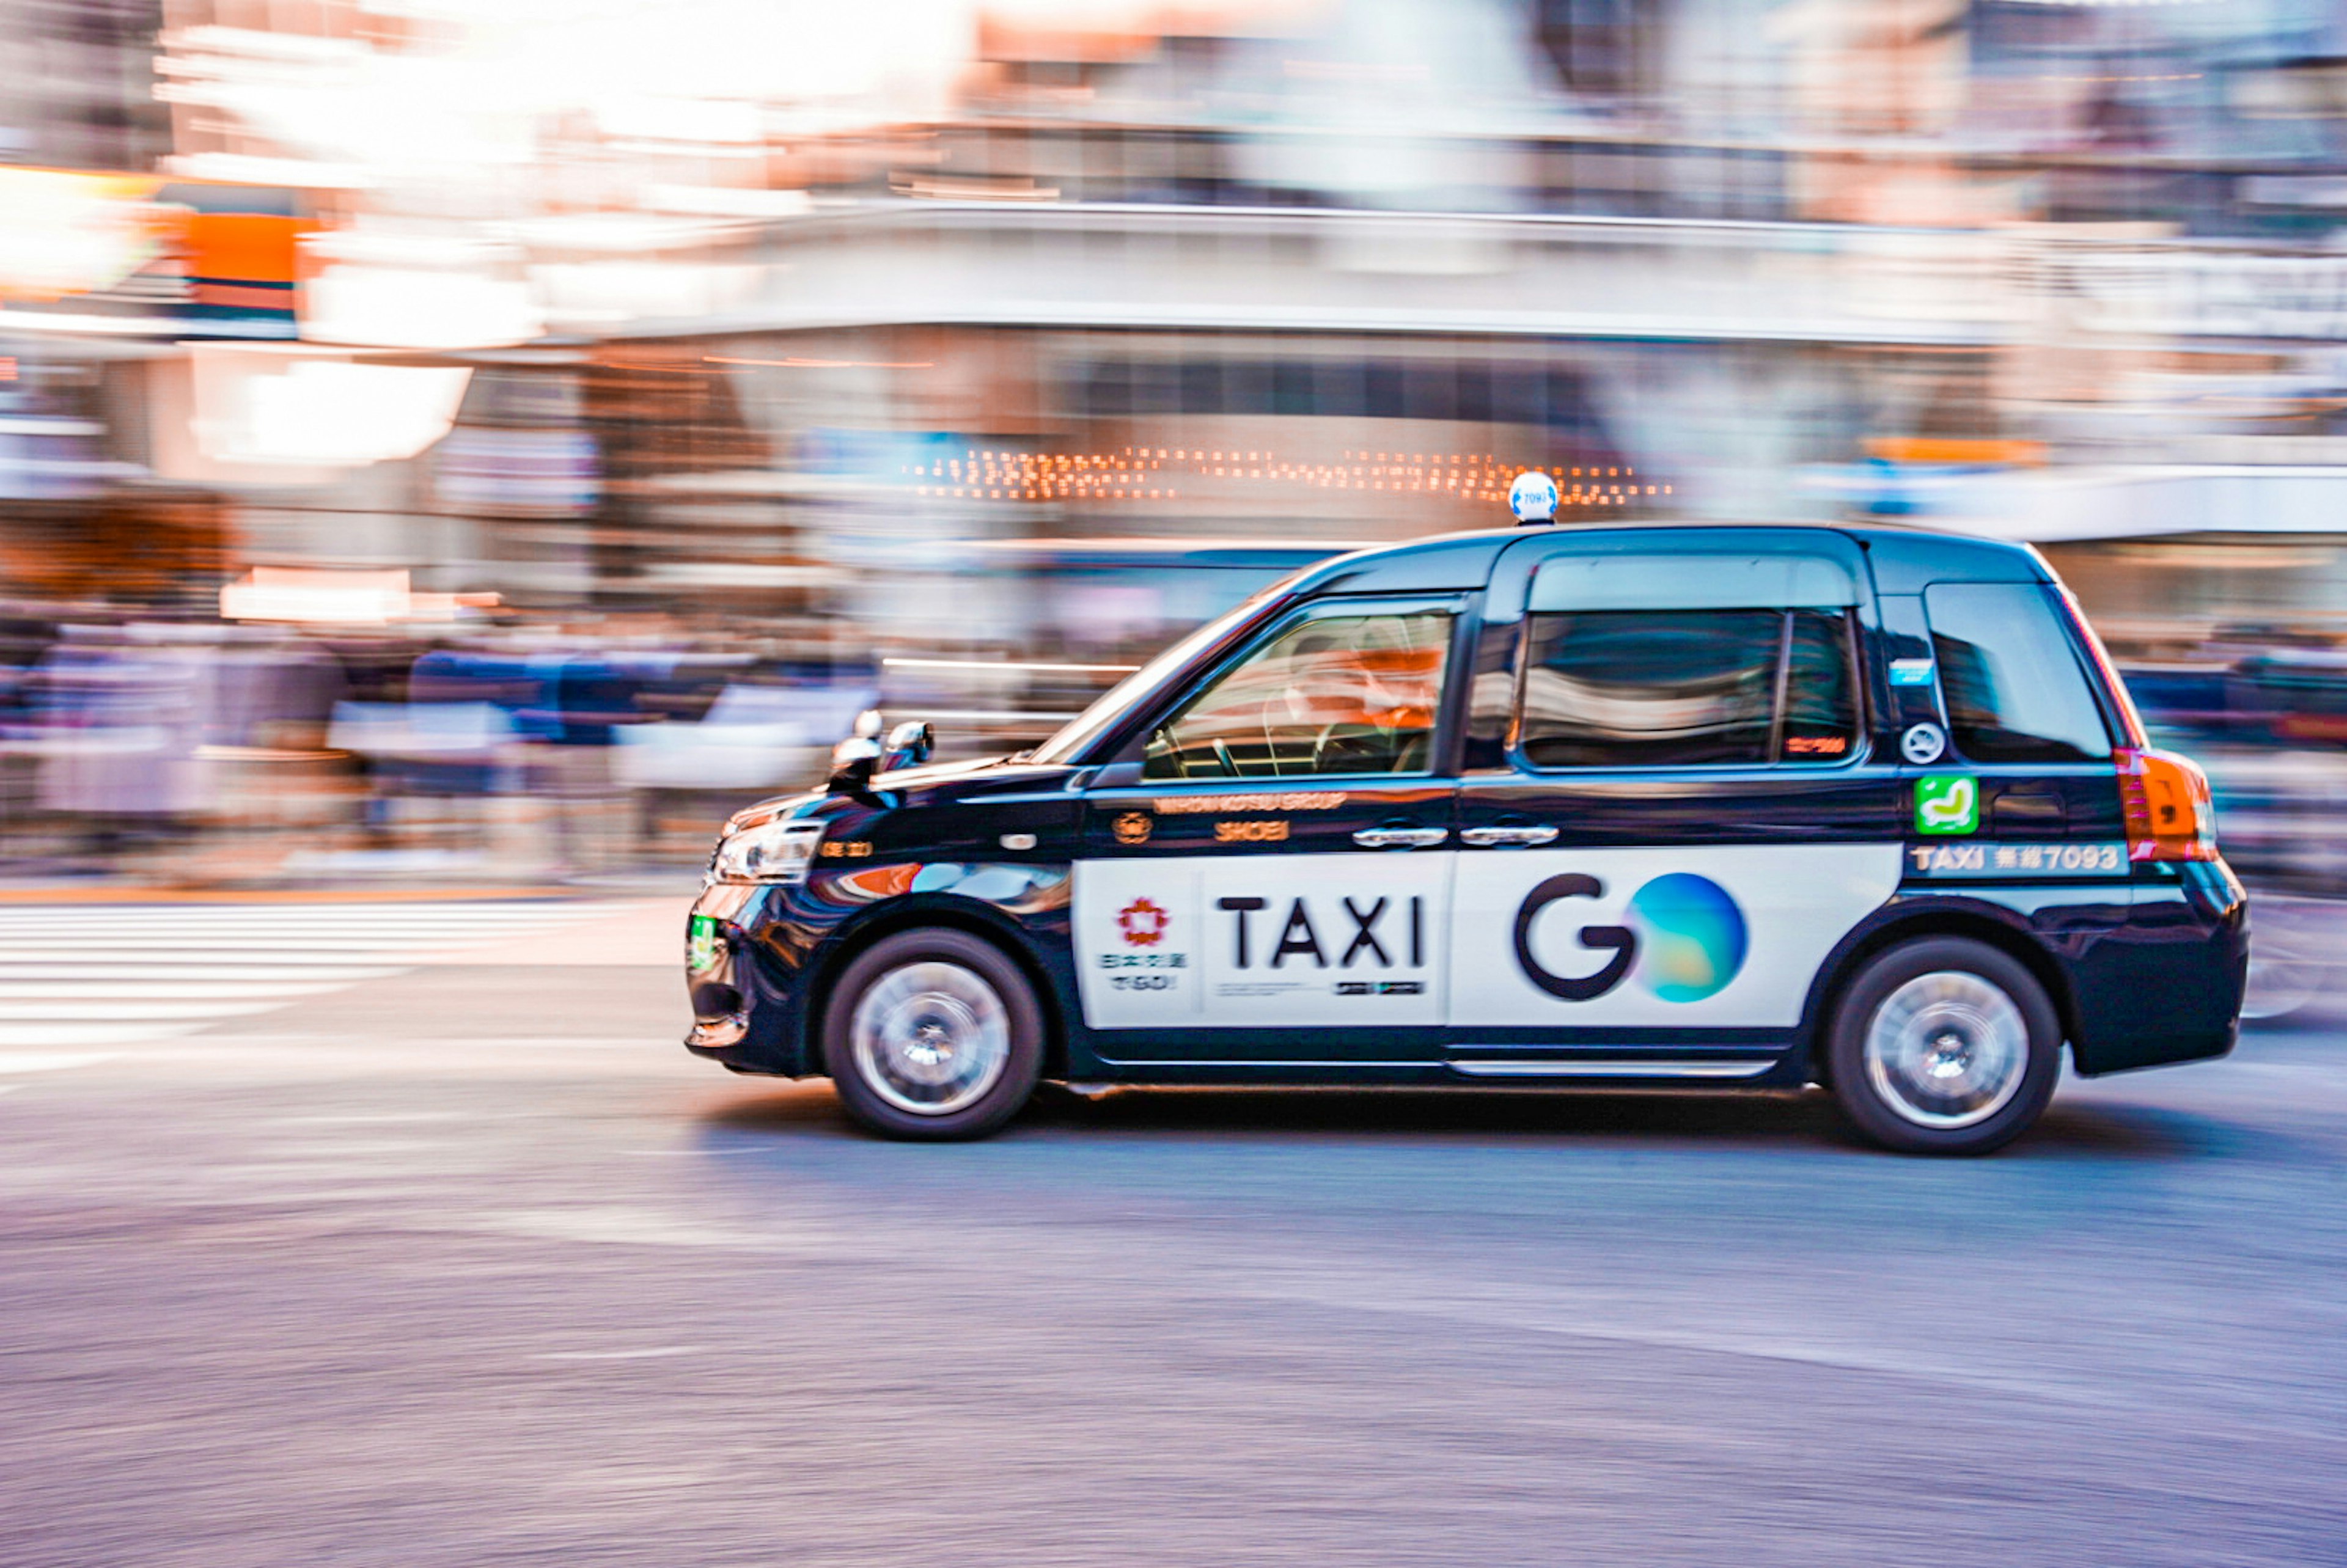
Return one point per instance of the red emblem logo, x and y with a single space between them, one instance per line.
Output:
1142 922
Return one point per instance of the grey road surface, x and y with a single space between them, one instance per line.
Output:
470 1263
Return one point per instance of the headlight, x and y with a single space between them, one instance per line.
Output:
773 852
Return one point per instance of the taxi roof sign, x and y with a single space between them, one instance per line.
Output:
1533 497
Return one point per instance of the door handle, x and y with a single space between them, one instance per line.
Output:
1491 837
1400 837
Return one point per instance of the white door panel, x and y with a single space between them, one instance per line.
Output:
1335 942
1707 937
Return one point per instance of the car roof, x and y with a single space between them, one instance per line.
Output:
1904 559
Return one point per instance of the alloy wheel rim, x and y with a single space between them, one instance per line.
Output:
1947 1050
930 1038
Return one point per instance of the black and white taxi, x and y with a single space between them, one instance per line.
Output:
1745 807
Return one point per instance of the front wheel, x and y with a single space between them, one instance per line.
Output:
1944 1046
933 1034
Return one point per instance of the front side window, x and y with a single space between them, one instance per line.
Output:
1689 688
1339 695
1088 726
2013 685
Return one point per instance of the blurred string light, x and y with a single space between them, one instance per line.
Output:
1148 474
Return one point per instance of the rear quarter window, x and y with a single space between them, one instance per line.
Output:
2015 687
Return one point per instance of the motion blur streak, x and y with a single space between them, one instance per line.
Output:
470 449
767 362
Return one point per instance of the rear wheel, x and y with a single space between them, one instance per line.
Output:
1944 1046
933 1034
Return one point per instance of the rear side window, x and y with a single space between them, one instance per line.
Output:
1820 702
1689 688
2015 688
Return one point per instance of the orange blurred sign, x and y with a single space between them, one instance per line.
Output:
223 255
1955 449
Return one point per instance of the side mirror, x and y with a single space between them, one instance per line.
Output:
852 763
910 745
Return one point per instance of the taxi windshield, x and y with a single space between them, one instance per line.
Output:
1086 726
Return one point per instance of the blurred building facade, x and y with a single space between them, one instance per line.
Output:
1045 326
79 91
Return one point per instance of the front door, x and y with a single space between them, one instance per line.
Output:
1275 885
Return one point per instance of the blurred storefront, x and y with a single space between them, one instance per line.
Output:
959 352
1315 272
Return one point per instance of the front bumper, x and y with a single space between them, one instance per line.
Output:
716 970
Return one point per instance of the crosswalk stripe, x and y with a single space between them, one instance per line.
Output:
304 914
135 969
401 941
175 921
214 949
82 976
55 1033
127 1011
210 988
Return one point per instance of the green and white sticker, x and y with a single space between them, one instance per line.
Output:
700 943
1947 802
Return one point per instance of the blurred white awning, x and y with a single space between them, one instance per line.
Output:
1187 268
2066 505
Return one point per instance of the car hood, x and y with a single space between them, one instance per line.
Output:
934 784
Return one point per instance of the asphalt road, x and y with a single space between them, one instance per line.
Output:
470 1263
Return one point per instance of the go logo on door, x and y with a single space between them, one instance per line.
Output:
1683 934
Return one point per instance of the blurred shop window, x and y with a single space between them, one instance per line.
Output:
44 458
502 396
2015 689
52 433
1603 48
1689 688
1354 694
659 415
2313 88
517 472
520 448
1431 389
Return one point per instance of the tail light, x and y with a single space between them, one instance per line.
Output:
2170 813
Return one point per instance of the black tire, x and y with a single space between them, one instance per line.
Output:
2019 1052
922 981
